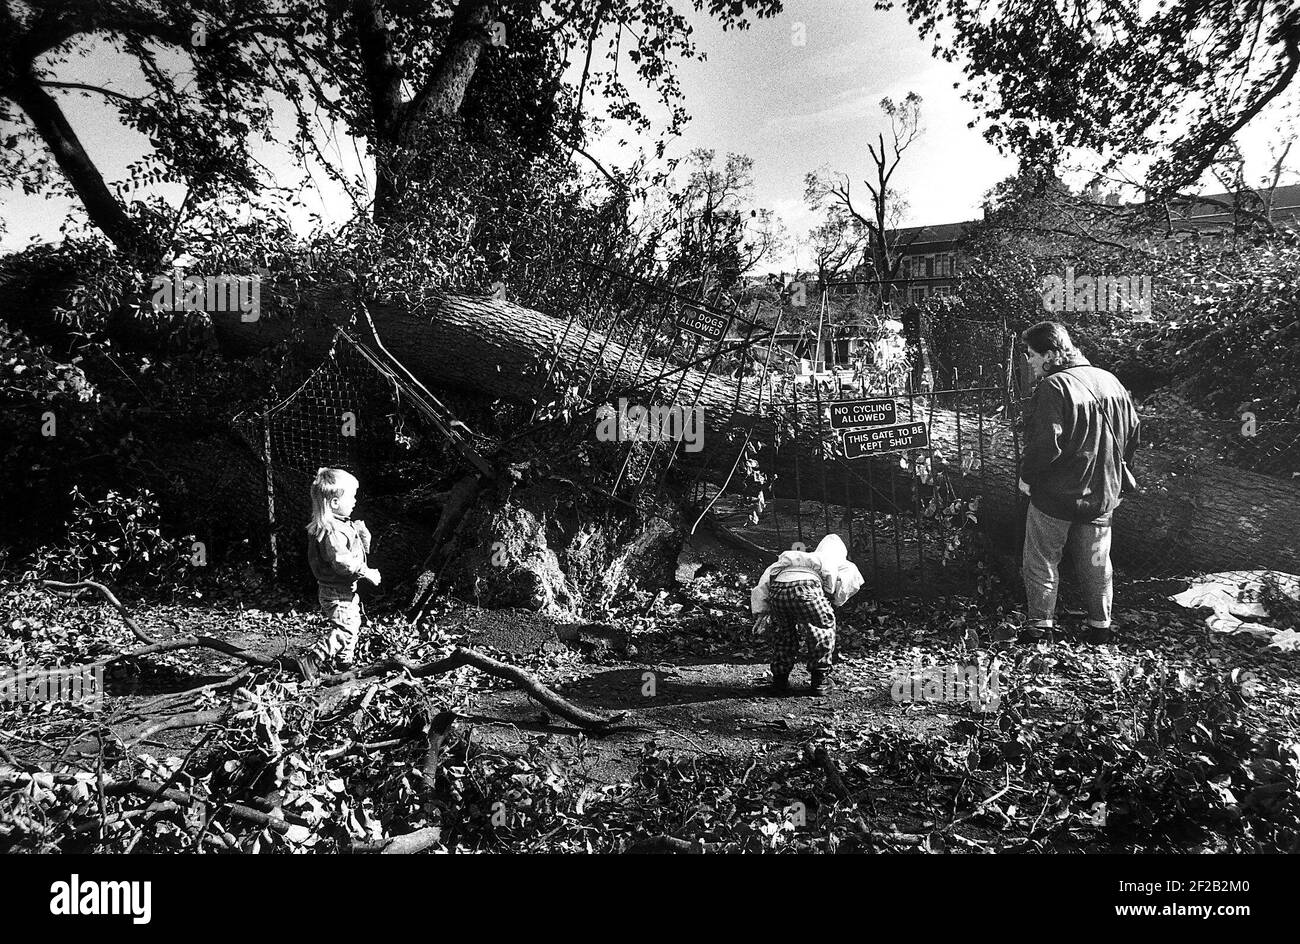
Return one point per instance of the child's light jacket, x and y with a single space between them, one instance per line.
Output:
829 563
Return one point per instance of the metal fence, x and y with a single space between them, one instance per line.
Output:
906 515
784 475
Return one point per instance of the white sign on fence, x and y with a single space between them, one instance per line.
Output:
704 324
874 442
847 414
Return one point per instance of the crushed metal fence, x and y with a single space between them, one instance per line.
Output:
902 515
783 477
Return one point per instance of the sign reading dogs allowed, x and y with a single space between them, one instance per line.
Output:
873 442
704 324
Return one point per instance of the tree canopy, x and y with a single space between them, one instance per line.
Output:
1173 84
390 72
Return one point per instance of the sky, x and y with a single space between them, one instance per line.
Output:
796 92
794 108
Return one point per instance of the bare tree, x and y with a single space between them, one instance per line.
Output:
835 243
716 235
880 246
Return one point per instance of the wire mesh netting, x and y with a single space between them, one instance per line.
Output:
346 416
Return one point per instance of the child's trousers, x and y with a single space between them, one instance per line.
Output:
801 617
343 609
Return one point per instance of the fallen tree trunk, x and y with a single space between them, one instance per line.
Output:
1206 517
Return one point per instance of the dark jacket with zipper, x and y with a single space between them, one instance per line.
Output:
1071 461
338 557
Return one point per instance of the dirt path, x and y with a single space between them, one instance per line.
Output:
701 696
688 682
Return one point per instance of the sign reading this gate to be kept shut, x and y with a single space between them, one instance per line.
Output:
847 414
873 442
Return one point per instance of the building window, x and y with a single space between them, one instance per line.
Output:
916 295
929 267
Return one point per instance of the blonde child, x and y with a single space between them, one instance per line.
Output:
795 595
337 547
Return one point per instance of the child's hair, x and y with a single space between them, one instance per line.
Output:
329 483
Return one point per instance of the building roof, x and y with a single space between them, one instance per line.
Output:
1200 211
1216 209
945 233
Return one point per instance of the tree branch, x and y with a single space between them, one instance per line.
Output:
102 207
383 71
58 585
79 86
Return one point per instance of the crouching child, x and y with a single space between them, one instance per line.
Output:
796 595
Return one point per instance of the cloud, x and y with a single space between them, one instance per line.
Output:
862 102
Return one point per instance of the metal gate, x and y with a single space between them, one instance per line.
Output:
784 475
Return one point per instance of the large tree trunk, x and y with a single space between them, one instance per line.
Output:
1205 517
104 209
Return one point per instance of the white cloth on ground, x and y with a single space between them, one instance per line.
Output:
1236 594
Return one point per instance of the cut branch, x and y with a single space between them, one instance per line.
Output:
408 844
140 634
585 719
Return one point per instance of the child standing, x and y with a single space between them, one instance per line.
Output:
798 591
337 547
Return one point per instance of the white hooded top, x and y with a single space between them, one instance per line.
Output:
829 563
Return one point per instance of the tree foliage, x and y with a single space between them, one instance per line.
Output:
389 73
1173 84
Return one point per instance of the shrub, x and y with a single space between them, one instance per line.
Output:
117 537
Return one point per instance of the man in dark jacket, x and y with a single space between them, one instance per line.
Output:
1080 434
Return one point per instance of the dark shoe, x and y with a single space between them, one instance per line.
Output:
1036 634
822 684
1005 631
777 685
1099 635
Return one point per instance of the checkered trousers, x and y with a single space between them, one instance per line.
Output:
801 617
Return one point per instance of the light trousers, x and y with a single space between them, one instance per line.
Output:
1046 539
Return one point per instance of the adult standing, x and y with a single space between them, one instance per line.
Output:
1081 431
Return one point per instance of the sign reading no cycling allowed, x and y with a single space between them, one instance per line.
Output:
846 414
873 442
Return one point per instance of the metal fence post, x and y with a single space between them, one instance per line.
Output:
270 495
